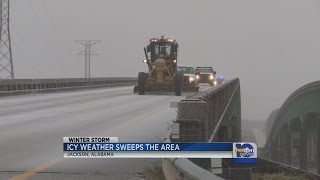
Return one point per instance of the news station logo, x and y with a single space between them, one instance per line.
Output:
244 150
244 153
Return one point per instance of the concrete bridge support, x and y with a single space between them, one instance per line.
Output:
311 133
284 143
298 143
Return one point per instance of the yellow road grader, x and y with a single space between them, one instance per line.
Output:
161 58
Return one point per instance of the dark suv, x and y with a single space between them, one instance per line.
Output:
205 75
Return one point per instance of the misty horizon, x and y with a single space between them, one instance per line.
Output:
272 46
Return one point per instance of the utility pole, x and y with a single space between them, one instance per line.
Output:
87 52
6 64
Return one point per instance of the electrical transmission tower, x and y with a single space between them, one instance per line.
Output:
6 64
87 52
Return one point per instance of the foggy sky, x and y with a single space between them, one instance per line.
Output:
272 46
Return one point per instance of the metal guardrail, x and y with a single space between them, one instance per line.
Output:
30 86
188 170
199 117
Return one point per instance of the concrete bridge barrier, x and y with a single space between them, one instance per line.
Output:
28 86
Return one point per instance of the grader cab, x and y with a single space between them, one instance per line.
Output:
161 58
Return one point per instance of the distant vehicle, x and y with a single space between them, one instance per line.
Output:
219 80
205 75
188 78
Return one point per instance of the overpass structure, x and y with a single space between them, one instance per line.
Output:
211 115
294 138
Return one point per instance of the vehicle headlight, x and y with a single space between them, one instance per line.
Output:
191 79
215 83
145 61
197 77
211 77
175 61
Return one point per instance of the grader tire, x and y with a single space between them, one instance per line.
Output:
141 83
179 84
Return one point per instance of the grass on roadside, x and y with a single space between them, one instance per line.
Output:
154 172
277 176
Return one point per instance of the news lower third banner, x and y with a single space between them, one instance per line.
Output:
110 147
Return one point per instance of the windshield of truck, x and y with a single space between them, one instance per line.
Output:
205 69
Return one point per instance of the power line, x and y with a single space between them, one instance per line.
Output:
87 52
6 63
